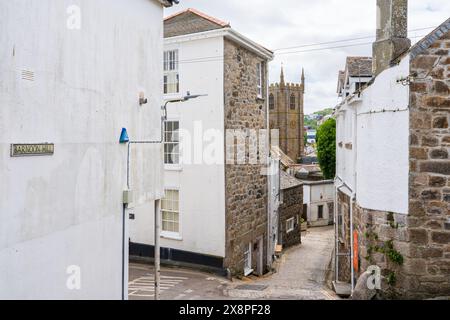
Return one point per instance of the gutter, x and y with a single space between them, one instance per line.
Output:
228 33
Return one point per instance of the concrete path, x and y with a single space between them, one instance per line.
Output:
301 272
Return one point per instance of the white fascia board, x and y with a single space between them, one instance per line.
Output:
249 44
226 33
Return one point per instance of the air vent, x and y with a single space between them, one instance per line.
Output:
27 75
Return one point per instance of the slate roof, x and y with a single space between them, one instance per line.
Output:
284 158
288 182
359 66
432 37
191 21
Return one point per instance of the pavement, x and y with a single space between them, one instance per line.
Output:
176 284
301 275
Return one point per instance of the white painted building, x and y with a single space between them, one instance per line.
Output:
311 136
372 142
71 76
318 202
194 213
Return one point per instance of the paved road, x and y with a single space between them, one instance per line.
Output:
301 276
176 284
301 273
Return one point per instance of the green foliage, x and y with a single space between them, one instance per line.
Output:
326 148
391 278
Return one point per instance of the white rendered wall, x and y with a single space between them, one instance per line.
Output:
316 195
383 143
66 209
201 186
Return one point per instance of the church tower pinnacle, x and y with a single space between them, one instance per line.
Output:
282 83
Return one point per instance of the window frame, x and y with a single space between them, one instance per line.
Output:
290 225
172 166
259 79
171 68
271 101
173 235
292 102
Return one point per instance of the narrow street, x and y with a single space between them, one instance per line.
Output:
301 274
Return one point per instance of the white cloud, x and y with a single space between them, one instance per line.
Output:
280 24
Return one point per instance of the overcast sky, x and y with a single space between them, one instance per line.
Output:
279 24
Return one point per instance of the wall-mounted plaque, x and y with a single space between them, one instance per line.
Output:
35 149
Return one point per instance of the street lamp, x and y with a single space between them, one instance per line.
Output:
125 139
187 97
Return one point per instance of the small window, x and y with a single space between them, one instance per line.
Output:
172 142
292 102
259 79
171 75
170 211
320 212
290 225
271 102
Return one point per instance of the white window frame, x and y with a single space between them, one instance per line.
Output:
259 79
177 165
170 234
171 71
290 225
248 260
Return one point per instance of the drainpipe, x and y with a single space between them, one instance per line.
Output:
187 97
336 228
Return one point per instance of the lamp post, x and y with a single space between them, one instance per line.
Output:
187 97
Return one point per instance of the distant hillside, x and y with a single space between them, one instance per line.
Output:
312 119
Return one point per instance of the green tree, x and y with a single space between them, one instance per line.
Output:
326 148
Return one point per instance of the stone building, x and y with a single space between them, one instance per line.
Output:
290 210
393 165
286 106
219 201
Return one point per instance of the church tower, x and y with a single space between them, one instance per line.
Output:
286 105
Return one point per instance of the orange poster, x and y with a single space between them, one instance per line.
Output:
355 251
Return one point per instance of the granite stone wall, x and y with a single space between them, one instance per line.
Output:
246 187
292 207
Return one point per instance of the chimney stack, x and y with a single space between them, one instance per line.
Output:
392 33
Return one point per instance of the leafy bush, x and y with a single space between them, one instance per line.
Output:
326 148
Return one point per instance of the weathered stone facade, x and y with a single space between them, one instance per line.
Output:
286 107
291 208
246 187
428 260
413 250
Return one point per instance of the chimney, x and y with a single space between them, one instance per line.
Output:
392 33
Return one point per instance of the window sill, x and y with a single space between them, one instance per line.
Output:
260 98
171 236
172 96
169 167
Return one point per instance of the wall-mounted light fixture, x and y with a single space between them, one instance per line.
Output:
142 99
124 136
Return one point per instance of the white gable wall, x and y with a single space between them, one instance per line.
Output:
382 164
66 209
